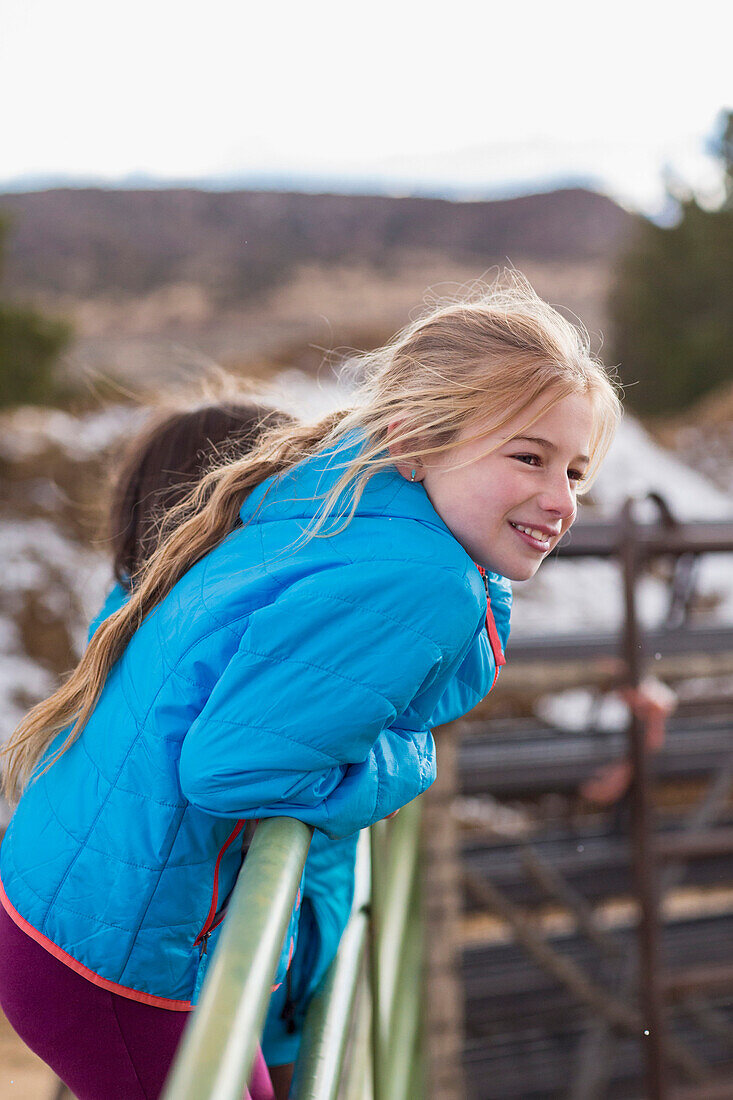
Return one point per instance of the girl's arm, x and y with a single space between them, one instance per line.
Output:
322 711
468 686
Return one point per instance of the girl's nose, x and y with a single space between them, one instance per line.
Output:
559 498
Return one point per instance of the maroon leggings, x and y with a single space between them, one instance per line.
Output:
102 1045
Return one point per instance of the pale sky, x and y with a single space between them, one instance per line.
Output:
465 94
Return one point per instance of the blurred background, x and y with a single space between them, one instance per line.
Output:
256 188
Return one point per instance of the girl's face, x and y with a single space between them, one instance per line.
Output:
514 498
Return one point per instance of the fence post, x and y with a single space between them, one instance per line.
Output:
642 827
442 904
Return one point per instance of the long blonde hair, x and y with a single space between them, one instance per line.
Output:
481 360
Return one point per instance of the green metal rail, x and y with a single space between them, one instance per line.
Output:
369 1002
218 1051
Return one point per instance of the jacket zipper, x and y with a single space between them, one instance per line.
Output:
494 640
214 919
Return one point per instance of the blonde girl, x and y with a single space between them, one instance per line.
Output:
318 606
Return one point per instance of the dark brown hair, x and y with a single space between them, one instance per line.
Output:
164 461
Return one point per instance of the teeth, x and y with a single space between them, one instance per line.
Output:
532 532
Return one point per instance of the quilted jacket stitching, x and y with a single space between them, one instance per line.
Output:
118 859
192 924
60 904
380 614
339 560
318 668
220 622
144 795
139 730
153 892
174 670
276 733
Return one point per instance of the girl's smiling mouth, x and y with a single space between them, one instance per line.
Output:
536 537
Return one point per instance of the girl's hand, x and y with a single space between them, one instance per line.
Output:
652 702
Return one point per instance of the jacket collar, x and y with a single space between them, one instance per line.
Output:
299 493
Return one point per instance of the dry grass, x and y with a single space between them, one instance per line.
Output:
176 329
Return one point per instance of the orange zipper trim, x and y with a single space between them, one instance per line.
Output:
494 640
79 968
210 923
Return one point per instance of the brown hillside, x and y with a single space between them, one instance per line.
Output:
87 241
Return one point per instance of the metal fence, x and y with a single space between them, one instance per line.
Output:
651 988
369 1001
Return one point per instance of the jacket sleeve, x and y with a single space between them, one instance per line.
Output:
479 668
466 688
309 717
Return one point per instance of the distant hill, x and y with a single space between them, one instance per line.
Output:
86 242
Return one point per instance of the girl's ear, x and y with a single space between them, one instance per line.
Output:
411 468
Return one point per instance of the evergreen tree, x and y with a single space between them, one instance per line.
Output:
672 306
723 148
30 345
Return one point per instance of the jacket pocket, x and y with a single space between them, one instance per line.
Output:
215 917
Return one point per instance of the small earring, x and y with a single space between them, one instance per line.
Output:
412 475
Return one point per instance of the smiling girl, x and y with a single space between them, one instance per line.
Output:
318 606
509 494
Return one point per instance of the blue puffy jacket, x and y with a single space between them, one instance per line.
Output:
327 890
275 678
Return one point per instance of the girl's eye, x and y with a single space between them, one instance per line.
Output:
534 460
